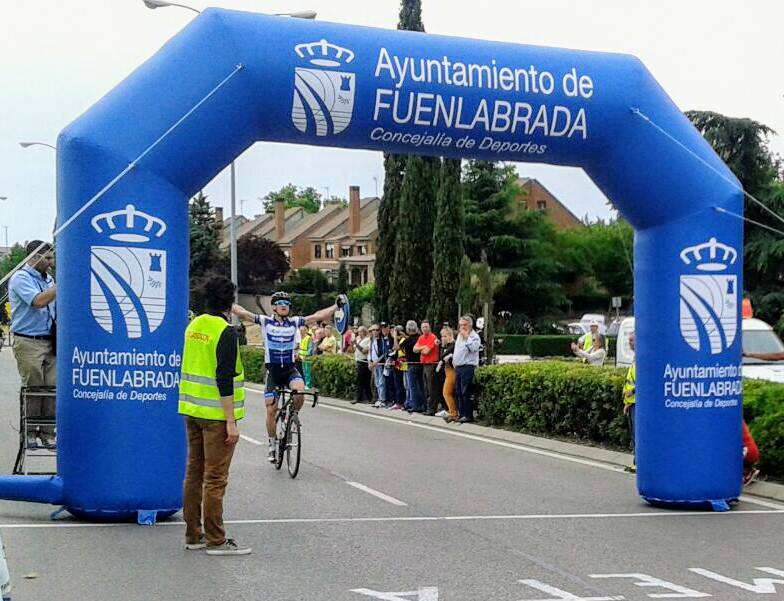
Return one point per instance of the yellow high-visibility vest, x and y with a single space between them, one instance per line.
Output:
304 348
587 342
630 384
199 395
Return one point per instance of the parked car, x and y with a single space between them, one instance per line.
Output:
759 337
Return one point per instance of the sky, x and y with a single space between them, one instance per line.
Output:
57 57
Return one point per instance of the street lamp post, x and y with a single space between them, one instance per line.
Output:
304 14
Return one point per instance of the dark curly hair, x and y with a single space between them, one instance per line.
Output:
218 291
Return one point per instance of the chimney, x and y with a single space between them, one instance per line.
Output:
280 219
219 216
353 210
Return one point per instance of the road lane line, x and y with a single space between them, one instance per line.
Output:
447 518
375 493
251 440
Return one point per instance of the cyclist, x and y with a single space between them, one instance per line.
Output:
280 332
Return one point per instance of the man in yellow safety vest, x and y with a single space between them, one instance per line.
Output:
304 357
630 400
212 399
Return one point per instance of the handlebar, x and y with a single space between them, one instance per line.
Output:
283 392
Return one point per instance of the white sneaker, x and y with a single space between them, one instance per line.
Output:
230 547
378 404
442 413
271 453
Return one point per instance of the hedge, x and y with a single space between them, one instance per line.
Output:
564 399
541 345
557 398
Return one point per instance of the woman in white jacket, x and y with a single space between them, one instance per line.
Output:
594 355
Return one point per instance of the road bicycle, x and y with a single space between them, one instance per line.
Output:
288 430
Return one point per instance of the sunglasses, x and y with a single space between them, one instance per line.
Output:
283 303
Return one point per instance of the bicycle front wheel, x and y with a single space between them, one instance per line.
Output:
280 443
293 445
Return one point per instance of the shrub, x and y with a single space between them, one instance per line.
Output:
550 346
566 399
359 297
335 376
508 344
253 362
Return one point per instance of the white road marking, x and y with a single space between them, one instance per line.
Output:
375 493
527 449
500 443
761 502
447 518
251 440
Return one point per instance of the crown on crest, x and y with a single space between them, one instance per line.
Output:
324 54
128 225
711 261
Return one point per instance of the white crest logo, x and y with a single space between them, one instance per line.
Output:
128 284
709 303
323 99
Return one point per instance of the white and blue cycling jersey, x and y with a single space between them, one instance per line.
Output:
281 339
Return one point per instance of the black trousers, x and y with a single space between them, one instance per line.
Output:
364 393
464 390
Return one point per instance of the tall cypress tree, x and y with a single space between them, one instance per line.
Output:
389 221
410 293
448 244
387 229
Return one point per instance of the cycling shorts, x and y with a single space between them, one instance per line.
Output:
280 376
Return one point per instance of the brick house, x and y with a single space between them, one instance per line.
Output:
539 198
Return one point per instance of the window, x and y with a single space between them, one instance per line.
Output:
346 251
317 251
362 249
541 205
329 250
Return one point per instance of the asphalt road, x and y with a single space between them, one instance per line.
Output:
387 510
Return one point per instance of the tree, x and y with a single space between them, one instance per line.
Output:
205 235
342 283
448 244
388 212
306 281
11 260
389 216
743 145
293 196
466 293
410 293
260 264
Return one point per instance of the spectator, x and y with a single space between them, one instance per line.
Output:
445 366
595 355
414 399
315 344
465 361
303 354
400 368
348 340
377 357
751 456
389 365
630 401
361 349
427 347
32 292
329 344
585 341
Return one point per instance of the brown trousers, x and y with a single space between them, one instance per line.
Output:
450 379
206 476
37 364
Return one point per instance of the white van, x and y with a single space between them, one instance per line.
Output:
758 337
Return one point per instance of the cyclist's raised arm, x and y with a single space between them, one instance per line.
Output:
327 313
243 313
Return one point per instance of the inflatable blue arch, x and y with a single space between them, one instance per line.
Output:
230 79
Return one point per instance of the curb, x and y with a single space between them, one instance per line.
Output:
766 490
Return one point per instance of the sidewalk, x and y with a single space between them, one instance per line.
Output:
767 490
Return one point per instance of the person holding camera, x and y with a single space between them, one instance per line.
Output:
32 294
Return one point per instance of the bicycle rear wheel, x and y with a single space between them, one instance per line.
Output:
293 445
